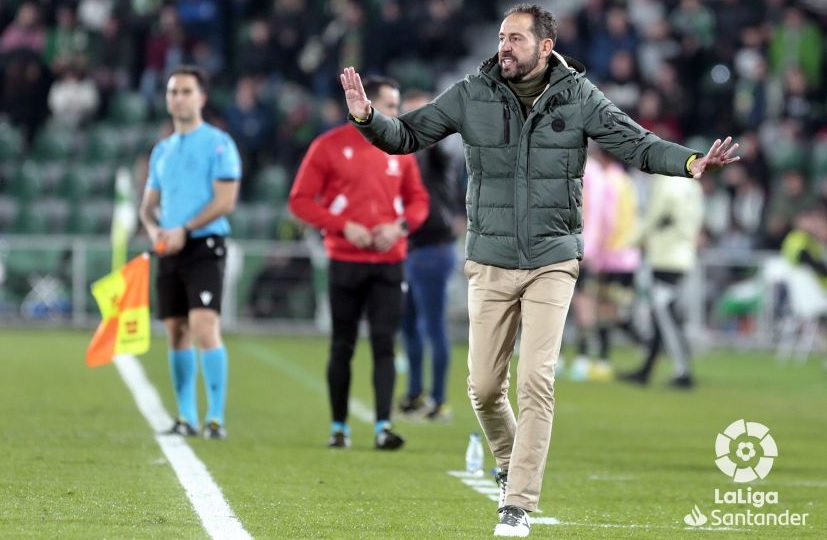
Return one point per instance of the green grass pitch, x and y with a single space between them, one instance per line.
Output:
79 461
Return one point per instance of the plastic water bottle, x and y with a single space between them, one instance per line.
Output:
474 455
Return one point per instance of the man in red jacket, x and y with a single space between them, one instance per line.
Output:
365 202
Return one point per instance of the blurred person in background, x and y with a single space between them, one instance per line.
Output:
193 184
806 244
618 262
365 203
524 119
428 268
669 237
74 98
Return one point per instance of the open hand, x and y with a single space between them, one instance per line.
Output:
719 156
358 103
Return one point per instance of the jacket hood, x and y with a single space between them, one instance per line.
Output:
490 66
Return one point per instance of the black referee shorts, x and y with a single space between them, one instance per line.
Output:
192 278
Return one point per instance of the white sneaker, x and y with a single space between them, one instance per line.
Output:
579 370
513 523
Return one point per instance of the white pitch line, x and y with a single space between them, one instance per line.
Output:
204 494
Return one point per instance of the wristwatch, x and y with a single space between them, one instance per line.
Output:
403 224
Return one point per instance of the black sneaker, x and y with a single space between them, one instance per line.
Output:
388 440
513 522
412 405
501 477
182 428
338 440
684 382
634 377
439 413
215 431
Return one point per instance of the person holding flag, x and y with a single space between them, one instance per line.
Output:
192 185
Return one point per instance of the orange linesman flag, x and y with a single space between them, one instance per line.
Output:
123 299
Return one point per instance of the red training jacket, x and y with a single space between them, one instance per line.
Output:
345 178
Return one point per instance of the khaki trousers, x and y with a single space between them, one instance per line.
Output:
500 301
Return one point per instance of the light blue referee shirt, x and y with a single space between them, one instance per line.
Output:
183 168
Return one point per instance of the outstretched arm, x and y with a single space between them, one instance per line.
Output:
719 156
358 104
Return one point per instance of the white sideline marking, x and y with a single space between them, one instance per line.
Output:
487 486
212 509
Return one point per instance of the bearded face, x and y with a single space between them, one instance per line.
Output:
515 69
519 52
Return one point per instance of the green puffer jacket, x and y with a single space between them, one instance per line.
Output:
525 174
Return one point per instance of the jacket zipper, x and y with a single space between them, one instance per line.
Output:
506 123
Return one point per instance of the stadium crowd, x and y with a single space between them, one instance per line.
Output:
685 69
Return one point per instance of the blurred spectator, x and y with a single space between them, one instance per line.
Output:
658 47
716 210
746 202
291 22
652 115
731 15
339 45
389 38
67 42
250 123
437 27
25 31
94 15
257 53
26 82
73 97
692 18
569 41
796 101
644 14
751 103
112 60
617 34
787 201
203 20
622 85
797 41
165 49
754 161
203 54
806 243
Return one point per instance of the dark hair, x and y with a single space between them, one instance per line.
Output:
194 71
373 83
544 25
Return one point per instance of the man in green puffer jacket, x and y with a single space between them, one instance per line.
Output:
525 119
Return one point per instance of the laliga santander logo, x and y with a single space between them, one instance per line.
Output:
745 451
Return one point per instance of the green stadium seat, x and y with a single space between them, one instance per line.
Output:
11 142
92 217
253 221
76 185
241 222
128 108
103 145
34 179
271 185
30 221
9 208
54 143
99 178
55 214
